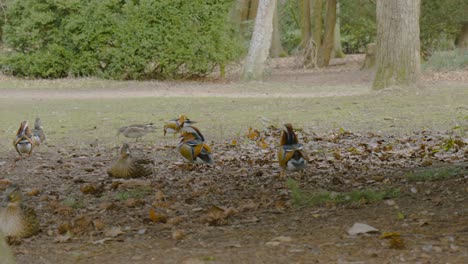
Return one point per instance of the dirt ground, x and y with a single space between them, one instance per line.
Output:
241 210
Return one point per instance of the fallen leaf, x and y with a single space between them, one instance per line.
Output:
253 134
178 234
157 217
282 239
359 228
101 241
113 231
63 238
33 192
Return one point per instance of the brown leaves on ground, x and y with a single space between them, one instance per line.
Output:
217 216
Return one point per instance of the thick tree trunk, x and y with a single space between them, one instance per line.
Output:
326 48
462 39
317 22
260 43
276 48
253 9
337 49
398 47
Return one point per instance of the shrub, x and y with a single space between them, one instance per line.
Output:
447 60
134 39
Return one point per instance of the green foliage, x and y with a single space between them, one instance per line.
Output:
358 24
440 22
139 39
302 198
435 174
136 193
73 202
289 25
447 60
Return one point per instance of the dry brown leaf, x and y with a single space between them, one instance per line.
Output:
64 228
178 234
233 143
98 224
113 231
390 235
157 217
63 238
253 134
33 192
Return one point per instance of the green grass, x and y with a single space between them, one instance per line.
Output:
305 198
80 121
73 202
447 60
435 174
136 194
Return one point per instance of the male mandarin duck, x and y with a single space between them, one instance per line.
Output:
290 154
16 219
24 141
128 166
192 146
174 125
136 131
38 132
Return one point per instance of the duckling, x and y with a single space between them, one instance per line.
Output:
174 125
290 154
129 167
38 132
16 219
193 148
136 131
24 141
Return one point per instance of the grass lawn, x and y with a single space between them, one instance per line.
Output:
83 120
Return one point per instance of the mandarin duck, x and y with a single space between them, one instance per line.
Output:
192 146
128 166
136 131
38 132
174 125
24 141
290 154
16 219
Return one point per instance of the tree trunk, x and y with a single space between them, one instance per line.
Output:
337 49
245 9
305 23
326 48
462 39
261 40
398 47
317 22
237 13
253 9
369 61
276 48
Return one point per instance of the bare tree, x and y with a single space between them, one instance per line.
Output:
326 48
317 11
337 49
261 40
398 46
276 48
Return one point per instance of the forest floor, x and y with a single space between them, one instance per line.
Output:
395 160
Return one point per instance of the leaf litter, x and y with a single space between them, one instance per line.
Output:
242 189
